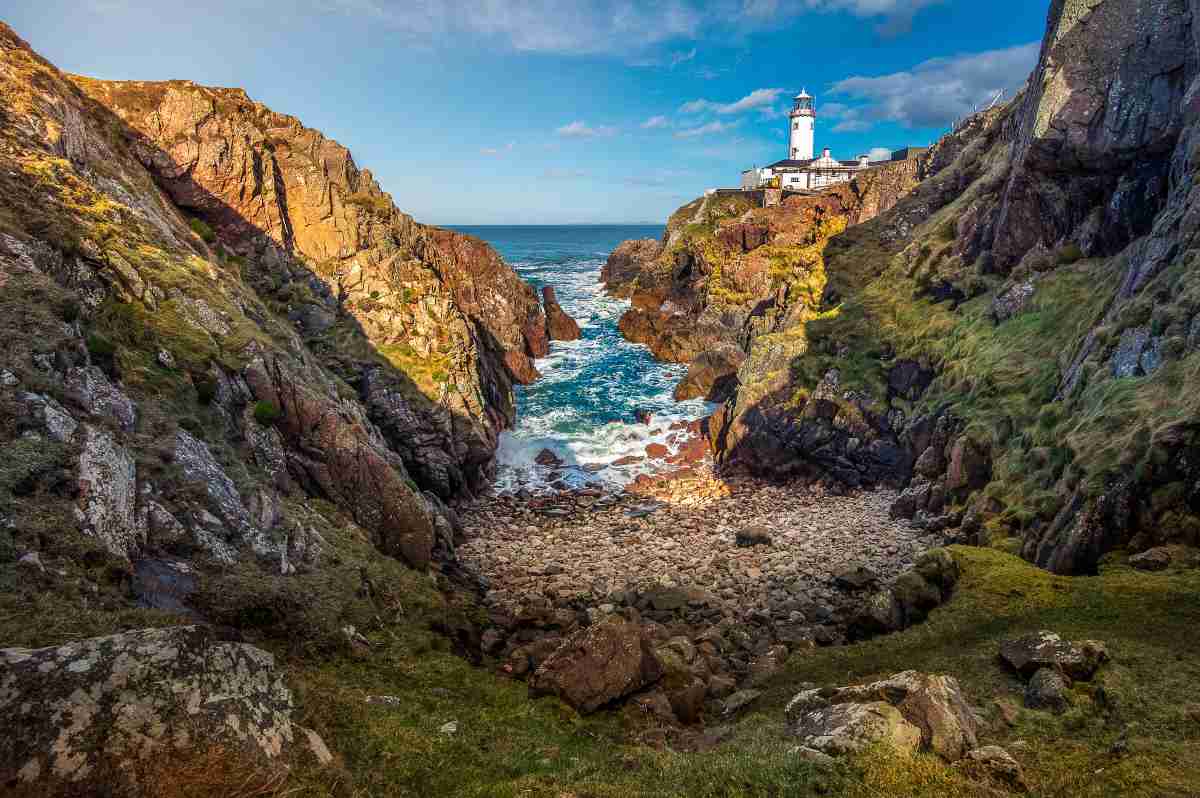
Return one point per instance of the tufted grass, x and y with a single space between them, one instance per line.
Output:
508 745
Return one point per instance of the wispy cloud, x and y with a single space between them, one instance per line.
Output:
656 122
494 151
560 173
682 58
630 27
932 94
756 99
582 130
710 129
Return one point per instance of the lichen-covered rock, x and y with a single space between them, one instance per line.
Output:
90 388
95 711
1028 654
841 729
107 504
598 665
933 705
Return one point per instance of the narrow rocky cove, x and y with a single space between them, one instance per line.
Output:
885 487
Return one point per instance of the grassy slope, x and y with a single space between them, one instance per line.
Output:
507 745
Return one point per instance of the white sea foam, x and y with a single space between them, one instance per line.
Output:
583 408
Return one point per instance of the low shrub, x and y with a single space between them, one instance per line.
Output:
267 413
201 229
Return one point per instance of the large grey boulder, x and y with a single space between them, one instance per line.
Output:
99 709
843 719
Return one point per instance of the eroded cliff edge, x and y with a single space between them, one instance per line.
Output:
1015 340
429 326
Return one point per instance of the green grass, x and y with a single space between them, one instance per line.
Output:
508 745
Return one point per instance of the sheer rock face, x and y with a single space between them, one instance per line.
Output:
1104 110
100 710
432 301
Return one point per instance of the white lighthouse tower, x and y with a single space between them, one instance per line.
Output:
804 120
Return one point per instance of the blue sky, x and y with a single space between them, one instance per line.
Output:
544 111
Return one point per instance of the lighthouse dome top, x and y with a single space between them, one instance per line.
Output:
803 95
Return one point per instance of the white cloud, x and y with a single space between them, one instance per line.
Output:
603 26
706 130
879 154
757 99
656 122
581 130
932 94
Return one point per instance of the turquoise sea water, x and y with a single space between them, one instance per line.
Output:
583 407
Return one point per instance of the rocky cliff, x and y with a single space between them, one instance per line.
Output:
430 327
1015 339
728 270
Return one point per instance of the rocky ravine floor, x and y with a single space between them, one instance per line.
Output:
697 548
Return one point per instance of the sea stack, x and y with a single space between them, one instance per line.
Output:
559 326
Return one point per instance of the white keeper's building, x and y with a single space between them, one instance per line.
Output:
800 171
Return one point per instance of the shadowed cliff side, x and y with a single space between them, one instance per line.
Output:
442 307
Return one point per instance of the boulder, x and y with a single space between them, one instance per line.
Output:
849 728
1156 559
1028 654
1047 690
598 665
94 711
559 326
756 535
548 458
931 704
993 762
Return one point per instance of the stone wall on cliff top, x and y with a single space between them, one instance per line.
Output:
1015 334
320 236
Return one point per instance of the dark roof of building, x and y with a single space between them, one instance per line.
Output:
790 164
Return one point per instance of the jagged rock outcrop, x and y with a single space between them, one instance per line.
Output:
625 263
559 326
728 271
101 712
444 325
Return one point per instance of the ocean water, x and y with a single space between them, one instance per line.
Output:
583 408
